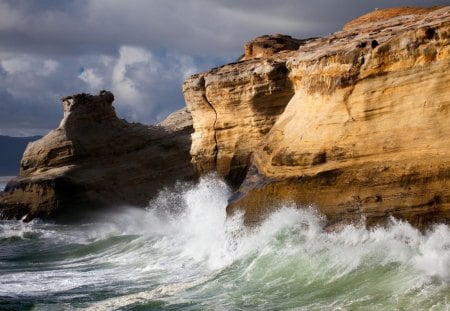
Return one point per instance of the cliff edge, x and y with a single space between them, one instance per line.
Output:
355 123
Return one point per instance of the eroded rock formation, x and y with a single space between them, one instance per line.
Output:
265 46
94 159
355 124
361 130
233 107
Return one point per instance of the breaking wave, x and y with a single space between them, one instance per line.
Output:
184 253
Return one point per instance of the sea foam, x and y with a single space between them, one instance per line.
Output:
183 248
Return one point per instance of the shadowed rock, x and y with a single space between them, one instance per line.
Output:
95 160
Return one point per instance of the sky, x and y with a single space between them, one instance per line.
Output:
141 50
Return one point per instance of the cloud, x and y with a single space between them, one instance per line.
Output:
49 66
191 27
195 27
91 78
146 84
27 75
130 73
141 50
9 17
28 88
14 64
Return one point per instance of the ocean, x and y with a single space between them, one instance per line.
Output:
183 253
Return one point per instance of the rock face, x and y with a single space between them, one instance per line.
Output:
233 107
95 159
265 46
390 13
356 123
178 120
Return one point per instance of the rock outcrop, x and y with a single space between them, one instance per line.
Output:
178 120
94 159
233 107
265 46
356 123
390 13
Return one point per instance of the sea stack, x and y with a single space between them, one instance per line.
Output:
95 160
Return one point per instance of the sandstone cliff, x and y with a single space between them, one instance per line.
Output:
267 45
233 107
94 160
356 123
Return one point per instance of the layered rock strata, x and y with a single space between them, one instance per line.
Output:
365 133
354 124
94 159
268 45
233 107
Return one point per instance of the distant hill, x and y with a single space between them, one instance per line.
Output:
11 151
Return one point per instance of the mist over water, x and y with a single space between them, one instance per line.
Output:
183 253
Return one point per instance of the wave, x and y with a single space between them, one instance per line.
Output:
184 253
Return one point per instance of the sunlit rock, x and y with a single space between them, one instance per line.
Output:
361 127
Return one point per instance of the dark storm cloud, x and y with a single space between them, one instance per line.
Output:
199 27
141 50
24 117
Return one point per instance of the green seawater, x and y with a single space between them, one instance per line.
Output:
182 253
